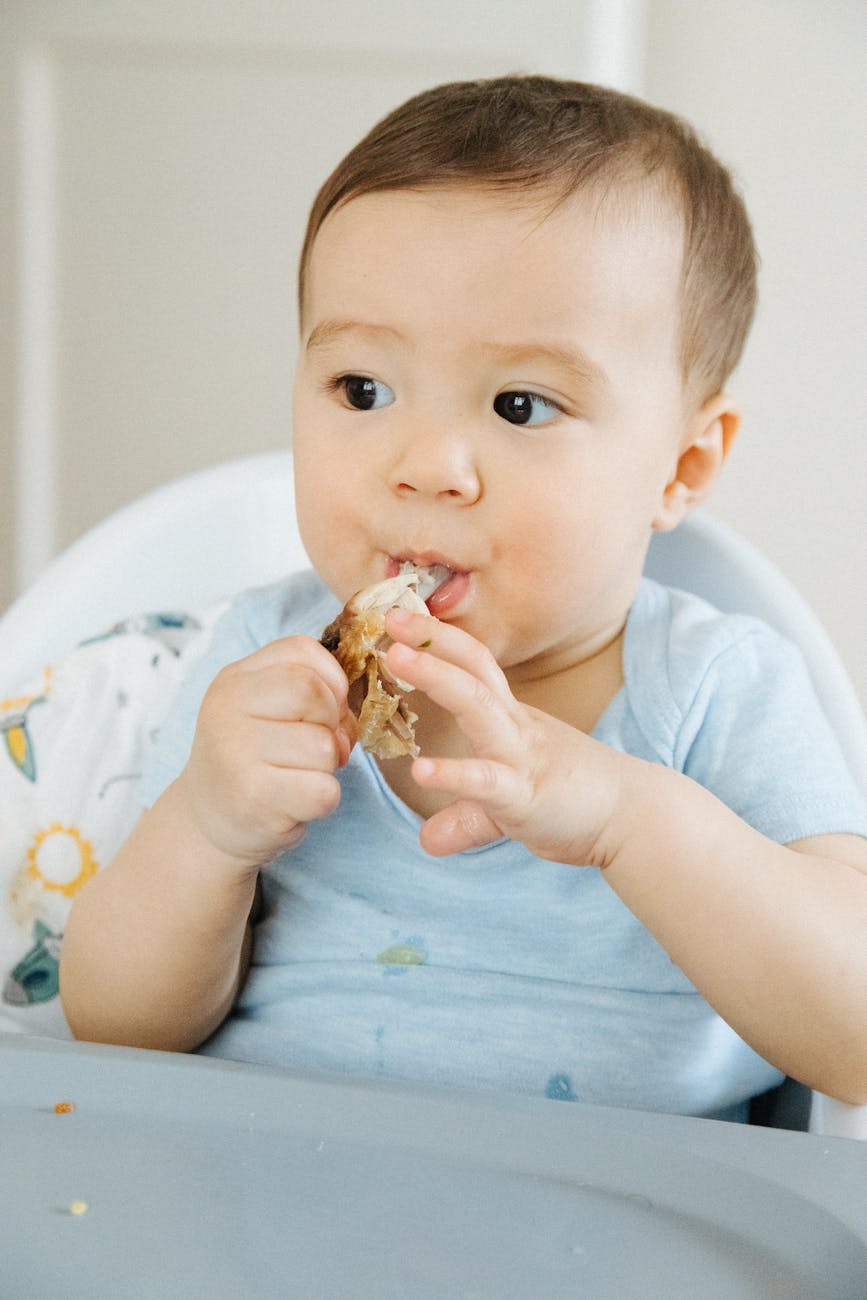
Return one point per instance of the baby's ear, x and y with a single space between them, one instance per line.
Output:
707 441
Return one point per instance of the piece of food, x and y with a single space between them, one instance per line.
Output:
358 642
64 1107
78 1207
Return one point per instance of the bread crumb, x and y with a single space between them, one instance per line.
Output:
78 1207
64 1107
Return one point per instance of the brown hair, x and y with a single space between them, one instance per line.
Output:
555 136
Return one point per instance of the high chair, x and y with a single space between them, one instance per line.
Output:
216 531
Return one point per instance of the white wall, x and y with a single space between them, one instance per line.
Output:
779 89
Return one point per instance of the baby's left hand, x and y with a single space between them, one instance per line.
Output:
531 777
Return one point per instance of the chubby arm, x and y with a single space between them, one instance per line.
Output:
773 936
157 944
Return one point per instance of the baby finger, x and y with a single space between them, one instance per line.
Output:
288 693
299 796
463 825
496 786
302 746
481 712
451 644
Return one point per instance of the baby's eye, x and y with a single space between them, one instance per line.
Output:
524 408
363 393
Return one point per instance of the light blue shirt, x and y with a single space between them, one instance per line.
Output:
493 969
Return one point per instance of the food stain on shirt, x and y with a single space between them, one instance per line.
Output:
559 1088
402 954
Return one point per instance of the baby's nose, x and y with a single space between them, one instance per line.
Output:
442 467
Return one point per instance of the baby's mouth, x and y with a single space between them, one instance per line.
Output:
430 576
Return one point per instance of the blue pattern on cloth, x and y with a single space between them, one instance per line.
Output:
75 741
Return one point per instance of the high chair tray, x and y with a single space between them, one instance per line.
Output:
186 1177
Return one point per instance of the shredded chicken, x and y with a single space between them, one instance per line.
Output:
358 641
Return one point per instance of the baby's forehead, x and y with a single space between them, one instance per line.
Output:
648 208
449 267
450 264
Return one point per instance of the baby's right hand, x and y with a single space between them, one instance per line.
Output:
272 730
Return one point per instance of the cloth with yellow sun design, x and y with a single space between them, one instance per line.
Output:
72 744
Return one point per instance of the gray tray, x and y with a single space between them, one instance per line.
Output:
208 1179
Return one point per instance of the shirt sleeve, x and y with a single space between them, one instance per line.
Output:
755 734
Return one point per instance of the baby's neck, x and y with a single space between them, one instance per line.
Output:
577 693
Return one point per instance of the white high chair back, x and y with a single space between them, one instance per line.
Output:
181 546
216 531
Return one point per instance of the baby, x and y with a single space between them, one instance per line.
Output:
628 866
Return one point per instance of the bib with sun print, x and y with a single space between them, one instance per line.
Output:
73 741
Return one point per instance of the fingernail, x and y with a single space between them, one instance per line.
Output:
400 616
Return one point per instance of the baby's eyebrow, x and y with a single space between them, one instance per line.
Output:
335 327
573 361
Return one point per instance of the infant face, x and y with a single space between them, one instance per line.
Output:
492 386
